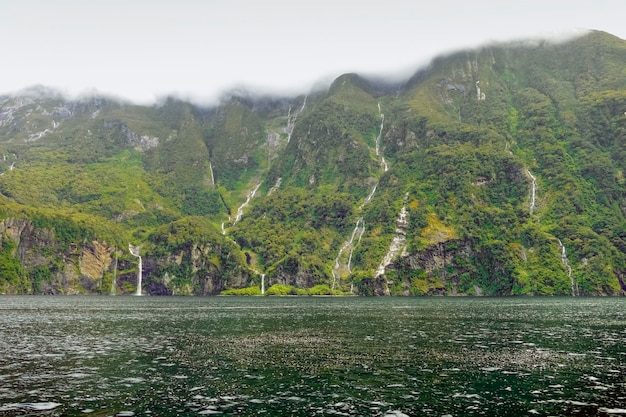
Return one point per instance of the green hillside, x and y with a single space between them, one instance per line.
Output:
496 171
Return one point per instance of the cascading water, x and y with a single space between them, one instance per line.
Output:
359 229
533 192
380 132
262 284
383 163
291 119
398 243
371 194
245 204
212 176
565 262
12 167
134 250
114 281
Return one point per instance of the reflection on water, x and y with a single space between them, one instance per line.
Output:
124 356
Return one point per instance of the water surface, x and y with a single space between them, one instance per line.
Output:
123 356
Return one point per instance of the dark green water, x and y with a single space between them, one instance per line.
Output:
107 356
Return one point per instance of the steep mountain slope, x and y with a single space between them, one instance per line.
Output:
505 156
493 171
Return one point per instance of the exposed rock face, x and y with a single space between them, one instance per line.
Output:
441 264
29 240
300 279
86 267
434 260
140 143
14 228
72 270
66 282
199 269
95 260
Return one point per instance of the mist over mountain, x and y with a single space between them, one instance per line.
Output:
492 171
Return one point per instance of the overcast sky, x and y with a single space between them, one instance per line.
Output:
144 49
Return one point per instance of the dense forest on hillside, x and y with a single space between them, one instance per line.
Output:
495 171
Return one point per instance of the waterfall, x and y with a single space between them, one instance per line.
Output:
262 284
362 230
533 192
114 281
479 96
291 119
290 125
212 176
245 204
398 243
380 132
359 227
383 163
349 244
223 229
134 250
565 262
371 194
303 105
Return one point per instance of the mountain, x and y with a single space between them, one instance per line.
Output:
495 171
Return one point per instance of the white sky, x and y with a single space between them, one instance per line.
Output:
144 49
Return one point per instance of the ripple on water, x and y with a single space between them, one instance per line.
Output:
44 406
230 356
395 413
612 410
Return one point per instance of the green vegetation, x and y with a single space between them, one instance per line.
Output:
12 276
242 291
282 289
465 142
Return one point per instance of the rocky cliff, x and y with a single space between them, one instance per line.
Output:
494 171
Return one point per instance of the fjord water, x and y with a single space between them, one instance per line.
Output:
108 356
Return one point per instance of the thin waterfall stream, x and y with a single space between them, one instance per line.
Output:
383 163
359 229
114 280
291 119
567 264
398 242
533 192
211 171
134 250
245 204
